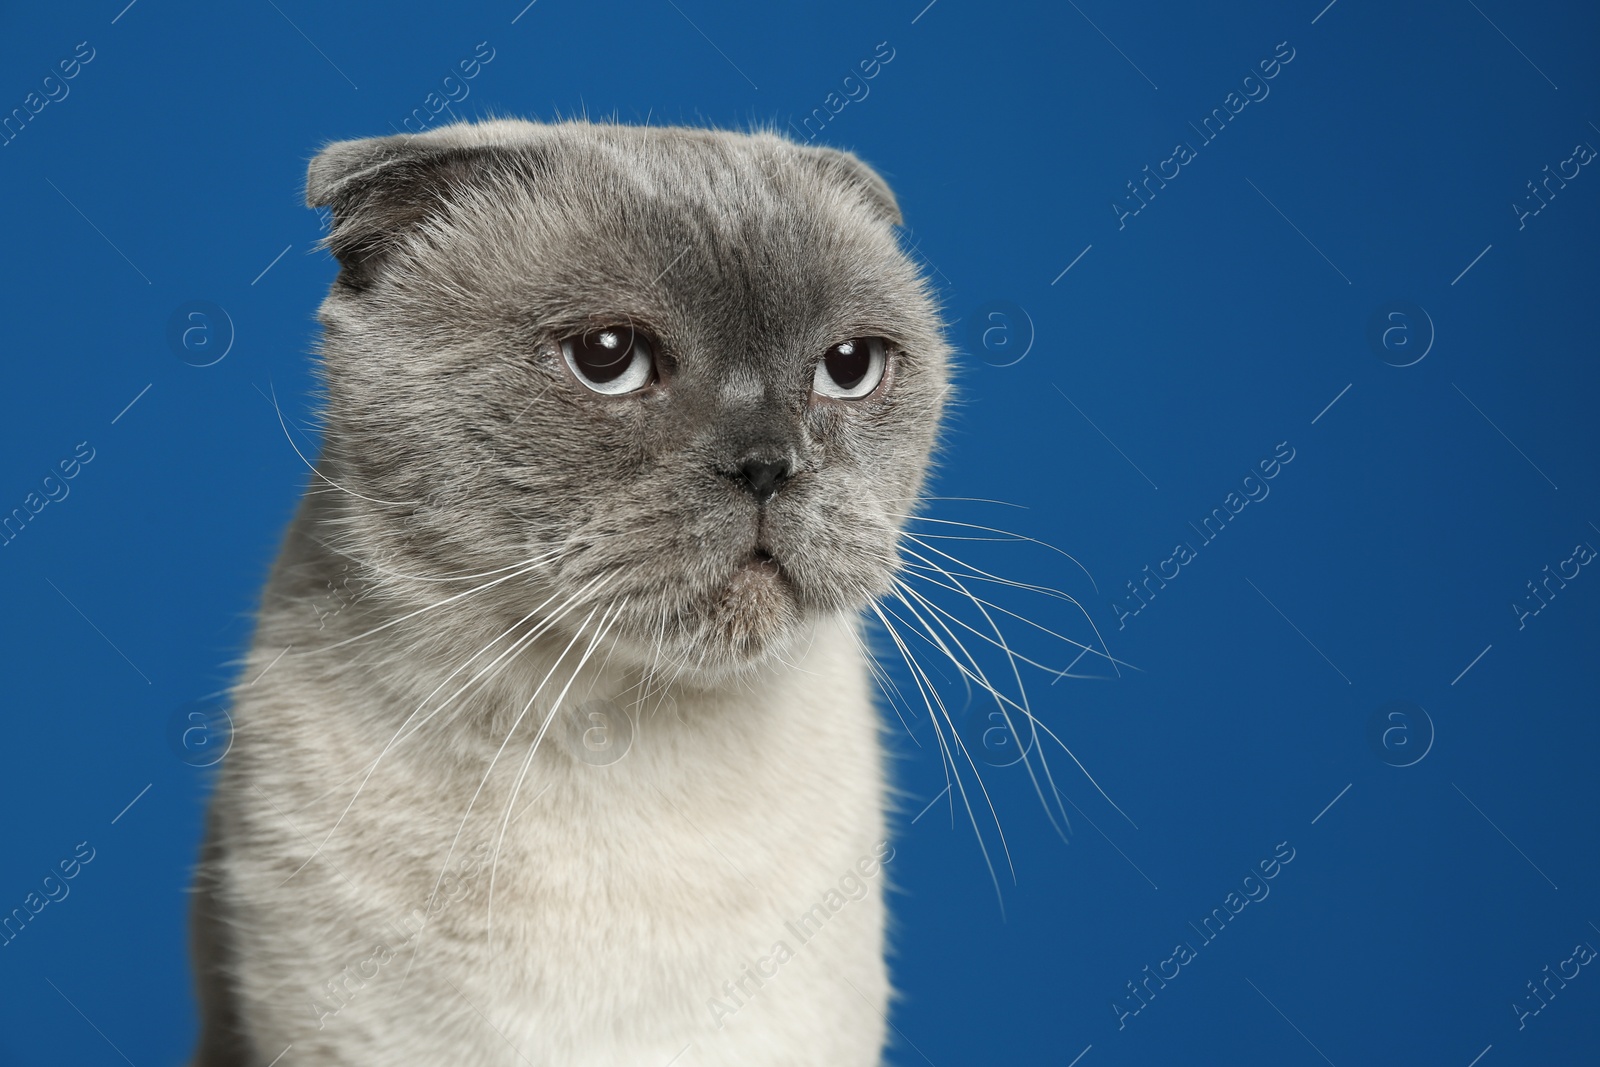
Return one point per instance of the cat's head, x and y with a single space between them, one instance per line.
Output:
691 373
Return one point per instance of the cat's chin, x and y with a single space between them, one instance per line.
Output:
748 619
756 608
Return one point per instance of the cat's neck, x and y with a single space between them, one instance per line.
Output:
467 679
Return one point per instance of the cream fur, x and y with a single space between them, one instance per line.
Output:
624 898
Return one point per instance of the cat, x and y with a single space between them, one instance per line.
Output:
559 746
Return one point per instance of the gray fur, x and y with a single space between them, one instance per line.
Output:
456 443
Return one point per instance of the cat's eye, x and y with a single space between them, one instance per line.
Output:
612 360
851 369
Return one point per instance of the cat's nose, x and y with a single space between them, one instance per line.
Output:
763 477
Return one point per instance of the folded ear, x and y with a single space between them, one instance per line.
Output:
845 168
381 188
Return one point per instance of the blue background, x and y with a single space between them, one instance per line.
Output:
1191 341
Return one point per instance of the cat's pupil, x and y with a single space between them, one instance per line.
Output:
848 363
602 355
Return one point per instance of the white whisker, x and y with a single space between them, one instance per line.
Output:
372 767
1025 711
886 685
401 734
318 473
1046 668
911 661
461 828
521 570
983 680
336 550
555 707
1010 535
1103 651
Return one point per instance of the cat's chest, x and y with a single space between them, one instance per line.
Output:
722 876
646 898
689 830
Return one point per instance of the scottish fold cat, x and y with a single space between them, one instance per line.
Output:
580 765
